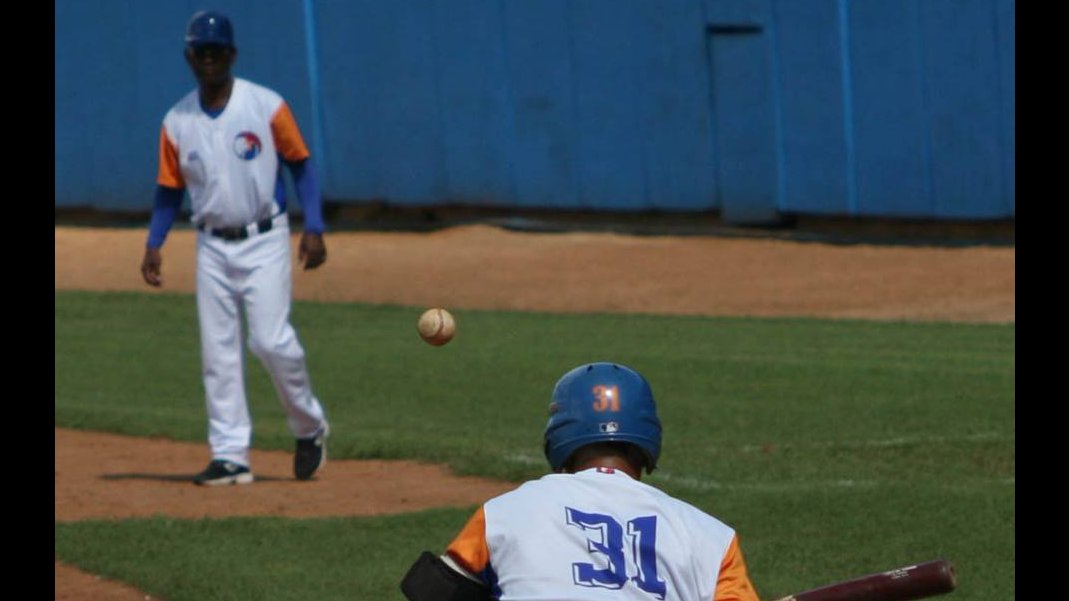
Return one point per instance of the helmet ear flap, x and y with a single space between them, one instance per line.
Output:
641 458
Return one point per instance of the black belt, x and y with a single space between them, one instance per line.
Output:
239 233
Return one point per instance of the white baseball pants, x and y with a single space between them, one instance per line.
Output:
253 275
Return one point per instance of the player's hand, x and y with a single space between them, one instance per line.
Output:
150 267
312 252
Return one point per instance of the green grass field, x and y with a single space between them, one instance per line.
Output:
835 448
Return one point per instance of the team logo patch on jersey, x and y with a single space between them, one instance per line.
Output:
247 145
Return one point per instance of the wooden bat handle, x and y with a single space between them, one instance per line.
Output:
901 584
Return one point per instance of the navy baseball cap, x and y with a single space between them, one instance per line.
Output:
209 27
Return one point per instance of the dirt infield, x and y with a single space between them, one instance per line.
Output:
489 268
482 267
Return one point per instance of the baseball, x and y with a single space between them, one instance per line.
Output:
436 326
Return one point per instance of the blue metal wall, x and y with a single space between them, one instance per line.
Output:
750 107
527 103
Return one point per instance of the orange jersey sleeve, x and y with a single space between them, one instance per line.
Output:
734 582
288 138
170 174
469 547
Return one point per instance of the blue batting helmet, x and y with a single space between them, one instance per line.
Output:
209 27
602 402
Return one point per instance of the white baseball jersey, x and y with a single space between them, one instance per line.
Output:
600 535
229 164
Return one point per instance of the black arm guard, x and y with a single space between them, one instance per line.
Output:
430 579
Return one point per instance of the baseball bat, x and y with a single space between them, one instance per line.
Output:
900 584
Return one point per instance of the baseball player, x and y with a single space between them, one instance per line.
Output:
591 530
224 144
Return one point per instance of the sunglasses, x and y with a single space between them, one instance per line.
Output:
211 51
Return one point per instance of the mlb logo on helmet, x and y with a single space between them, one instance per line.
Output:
608 427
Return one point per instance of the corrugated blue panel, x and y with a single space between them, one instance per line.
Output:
811 79
538 51
753 12
964 102
745 125
381 112
1005 24
674 103
74 95
868 107
890 105
105 144
474 97
610 148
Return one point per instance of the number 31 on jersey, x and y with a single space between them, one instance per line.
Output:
605 540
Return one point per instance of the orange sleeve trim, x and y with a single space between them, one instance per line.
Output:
288 138
734 581
170 174
469 547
